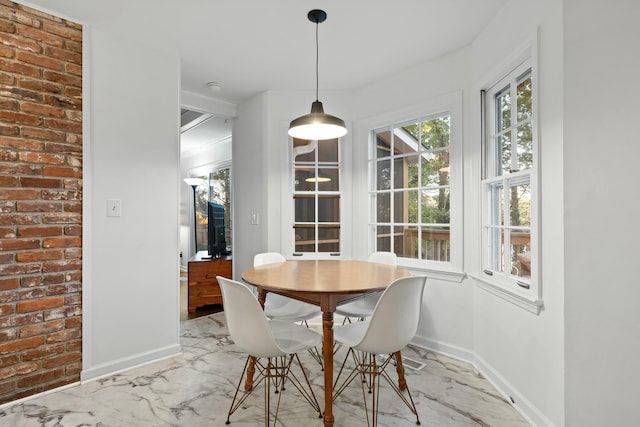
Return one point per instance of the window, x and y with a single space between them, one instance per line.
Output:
509 186
218 190
415 194
316 197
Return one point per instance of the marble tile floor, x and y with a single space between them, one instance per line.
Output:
194 389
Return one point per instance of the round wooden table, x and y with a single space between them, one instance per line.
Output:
326 283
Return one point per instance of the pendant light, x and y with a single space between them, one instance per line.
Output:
317 125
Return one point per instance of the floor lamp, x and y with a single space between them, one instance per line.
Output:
194 183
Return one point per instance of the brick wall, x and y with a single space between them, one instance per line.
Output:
40 201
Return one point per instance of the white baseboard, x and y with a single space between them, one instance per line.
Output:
521 404
127 363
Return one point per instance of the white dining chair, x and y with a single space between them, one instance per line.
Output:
392 326
280 307
272 344
362 307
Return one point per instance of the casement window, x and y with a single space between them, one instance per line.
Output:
415 190
316 198
509 188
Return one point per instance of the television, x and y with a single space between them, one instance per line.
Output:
217 244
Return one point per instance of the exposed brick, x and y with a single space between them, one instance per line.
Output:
21 344
9 141
9 360
42 255
18 15
8 283
40 378
63 265
61 360
61 218
39 133
39 304
39 206
40 36
18 369
63 30
62 171
43 158
43 352
41 163
64 335
39 85
8 181
37 182
12 40
31 293
41 328
19 244
62 124
42 231
39 60
8 335
61 242
42 110
17 269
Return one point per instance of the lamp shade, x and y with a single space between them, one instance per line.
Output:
317 125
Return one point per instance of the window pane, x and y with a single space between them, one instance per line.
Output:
329 239
398 241
435 242
520 205
383 143
305 208
503 109
383 207
399 172
411 214
435 133
525 146
524 99
328 150
496 207
328 179
383 178
411 242
505 153
383 238
329 209
305 238
435 168
521 253
304 179
435 206
411 168
304 156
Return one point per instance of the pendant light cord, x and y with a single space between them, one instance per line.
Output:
317 61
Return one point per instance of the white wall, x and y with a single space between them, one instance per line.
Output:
602 207
521 352
130 283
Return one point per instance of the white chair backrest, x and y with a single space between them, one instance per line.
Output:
394 321
248 326
383 258
267 258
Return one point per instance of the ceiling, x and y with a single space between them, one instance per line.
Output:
251 46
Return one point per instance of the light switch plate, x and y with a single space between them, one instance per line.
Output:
114 207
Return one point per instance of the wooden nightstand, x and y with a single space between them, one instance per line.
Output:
203 288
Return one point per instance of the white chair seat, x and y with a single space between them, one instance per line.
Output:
283 308
292 338
360 308
351 334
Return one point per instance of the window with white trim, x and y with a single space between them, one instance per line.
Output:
509 190
316 197
415 191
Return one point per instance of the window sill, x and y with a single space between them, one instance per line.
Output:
449 276
526 302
